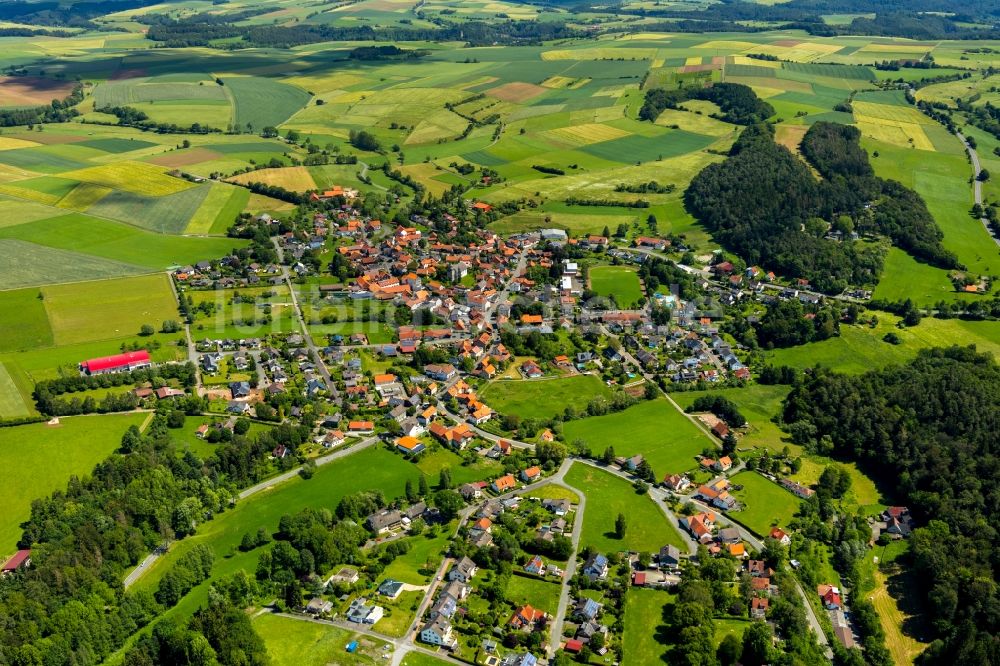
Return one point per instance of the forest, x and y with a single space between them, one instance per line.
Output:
927 430
738 103
763 203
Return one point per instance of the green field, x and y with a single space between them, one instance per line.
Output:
621 282
87 311
292 642
107 244
543 595
765 503
366 470
759 403
644 610
541 399
859 348
39 459
607 496
665 437
261 102
24 323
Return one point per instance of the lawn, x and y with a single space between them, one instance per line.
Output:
293 642
727 626
622 282
664 436
421 659
431 462
644 611
764 503
555 491
607 495
399 613
39 459
543 595
542 399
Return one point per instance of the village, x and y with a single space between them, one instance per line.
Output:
400 350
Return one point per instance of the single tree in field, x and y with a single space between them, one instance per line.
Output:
620 526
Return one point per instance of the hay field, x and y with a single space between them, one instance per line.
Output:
294 179
585 134
137 177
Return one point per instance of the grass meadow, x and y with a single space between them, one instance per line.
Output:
758 403
622 282
665 437
644 610
293 642
607 496
541 399
47 456
765 503
542 594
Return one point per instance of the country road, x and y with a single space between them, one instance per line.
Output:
267 484
977 185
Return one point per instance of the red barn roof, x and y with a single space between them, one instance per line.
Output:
15 562
116 361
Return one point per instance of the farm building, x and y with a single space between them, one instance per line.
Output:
107 365
21 558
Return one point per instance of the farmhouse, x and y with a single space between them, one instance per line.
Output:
108 365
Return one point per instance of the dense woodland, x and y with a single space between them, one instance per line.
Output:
764 204
927 430
738 103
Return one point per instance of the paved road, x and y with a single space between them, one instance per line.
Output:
977 186
556 628
330 387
